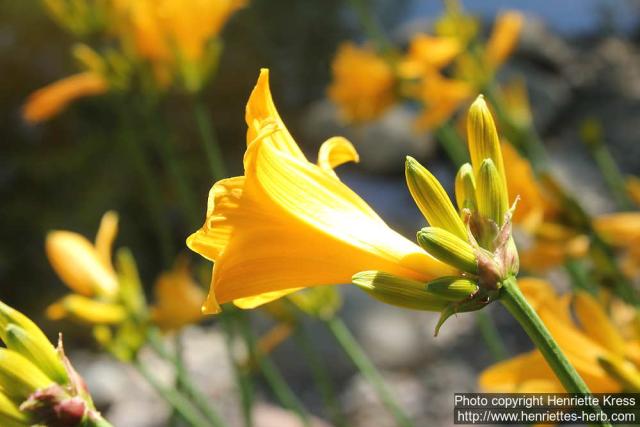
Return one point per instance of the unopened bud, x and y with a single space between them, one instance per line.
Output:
465 186
19 378
10 414
448 248
398 291
452 288
483 136
433 201
40 353
492 199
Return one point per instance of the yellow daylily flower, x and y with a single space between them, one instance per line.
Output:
585 347
54 98
324 233
178 298
363 83
84 267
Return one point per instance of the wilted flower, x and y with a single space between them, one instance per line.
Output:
325 232
363 83
38 385
602 356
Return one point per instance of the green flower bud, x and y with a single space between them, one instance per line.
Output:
452 288
448 248
466 188
492 199
433 201
398 291
19 378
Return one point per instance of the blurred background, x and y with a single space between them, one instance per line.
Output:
580 59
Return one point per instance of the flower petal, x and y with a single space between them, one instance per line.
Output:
52 99
264 122
78 264
106 235
291 213
335 152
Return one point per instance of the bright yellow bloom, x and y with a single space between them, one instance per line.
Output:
363 83
288 223
586 348
178 298
440 98
54 98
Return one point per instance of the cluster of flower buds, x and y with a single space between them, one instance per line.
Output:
475 239
38 385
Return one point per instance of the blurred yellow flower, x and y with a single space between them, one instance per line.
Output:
596 349
178 298
176 37
504 38
456 24
633 188
288 223
549 242
54 98
421 79
622 231
363 83
85 267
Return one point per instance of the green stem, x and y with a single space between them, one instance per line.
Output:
243 380
491 336
579 276
611 173
362 362
517 305
199 400
371 27
135 153
320 374
452 144
179 177
182 406
94 419
272 375
209 140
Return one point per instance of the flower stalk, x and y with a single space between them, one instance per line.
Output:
515 302
209 140
362 362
